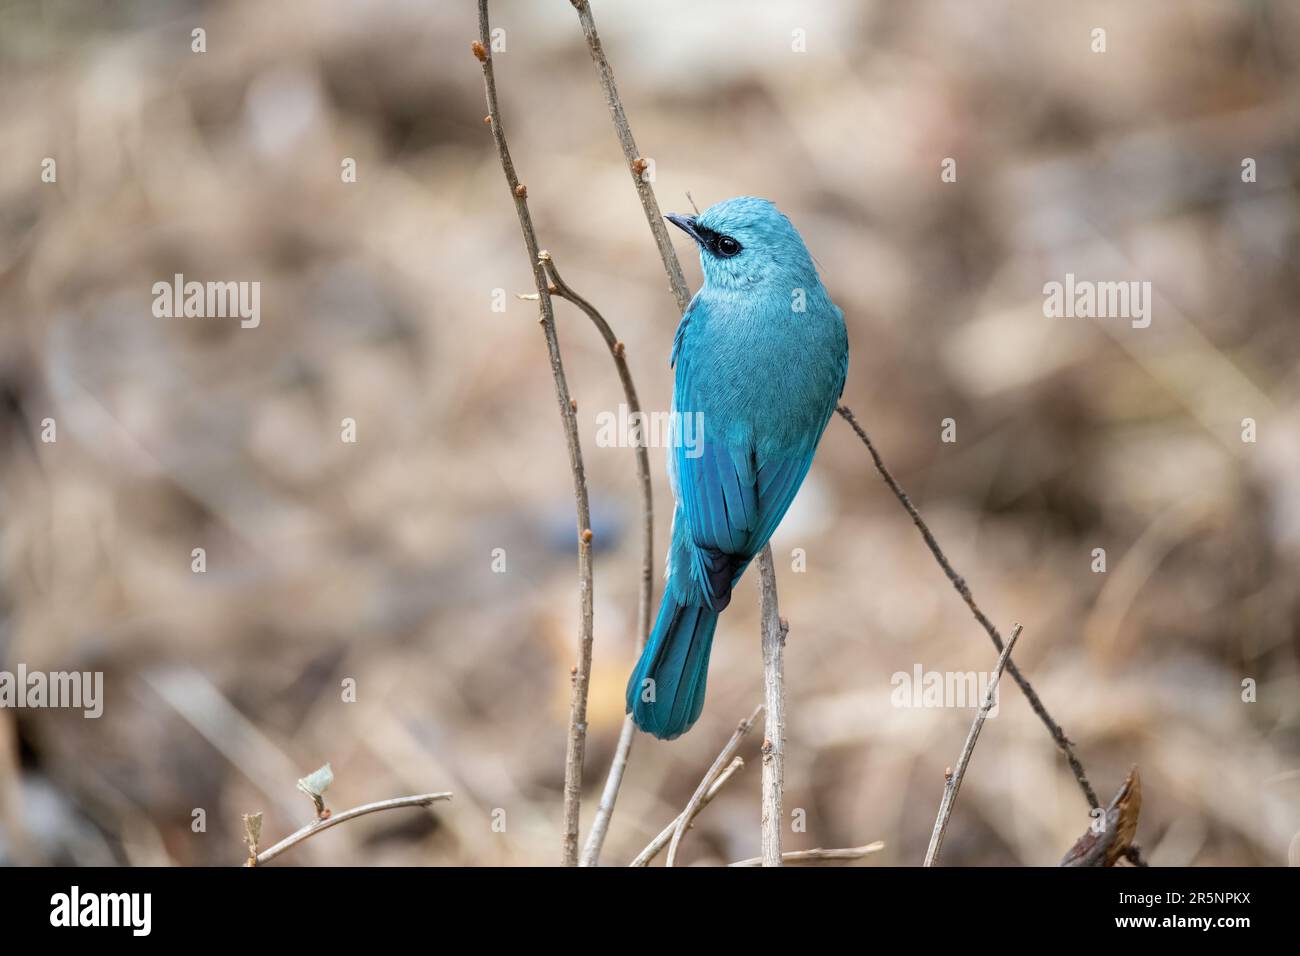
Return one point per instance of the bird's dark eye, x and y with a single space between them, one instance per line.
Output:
727 247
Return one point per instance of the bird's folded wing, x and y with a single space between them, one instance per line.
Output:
732 497
733 503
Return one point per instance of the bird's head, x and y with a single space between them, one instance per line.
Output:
746 241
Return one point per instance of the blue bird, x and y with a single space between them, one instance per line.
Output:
760 359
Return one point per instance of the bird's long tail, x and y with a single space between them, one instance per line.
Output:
666 691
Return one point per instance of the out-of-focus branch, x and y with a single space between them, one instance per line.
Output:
334 819
623 750
635 161
577 741
658 843
774 632
693 806
802 856
953 782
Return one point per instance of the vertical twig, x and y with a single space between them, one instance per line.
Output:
693 805
953 783
623 750
577 741
635 162
609 795
774 633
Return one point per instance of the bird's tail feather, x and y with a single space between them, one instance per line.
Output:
666 691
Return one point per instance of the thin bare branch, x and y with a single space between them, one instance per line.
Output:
693 806
636 163
802 856
958 582
953 783
623 750
666 834
618 352
774 632
609 795
577 740
316 826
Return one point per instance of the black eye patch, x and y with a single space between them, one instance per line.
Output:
724 247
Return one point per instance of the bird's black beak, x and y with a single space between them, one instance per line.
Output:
687 225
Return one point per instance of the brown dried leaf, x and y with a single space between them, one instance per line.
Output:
1111 834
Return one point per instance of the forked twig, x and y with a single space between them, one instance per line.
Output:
618 351
659 842
693 805
623 750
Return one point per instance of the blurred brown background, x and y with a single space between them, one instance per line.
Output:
372 561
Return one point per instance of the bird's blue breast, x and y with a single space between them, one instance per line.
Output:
761 375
